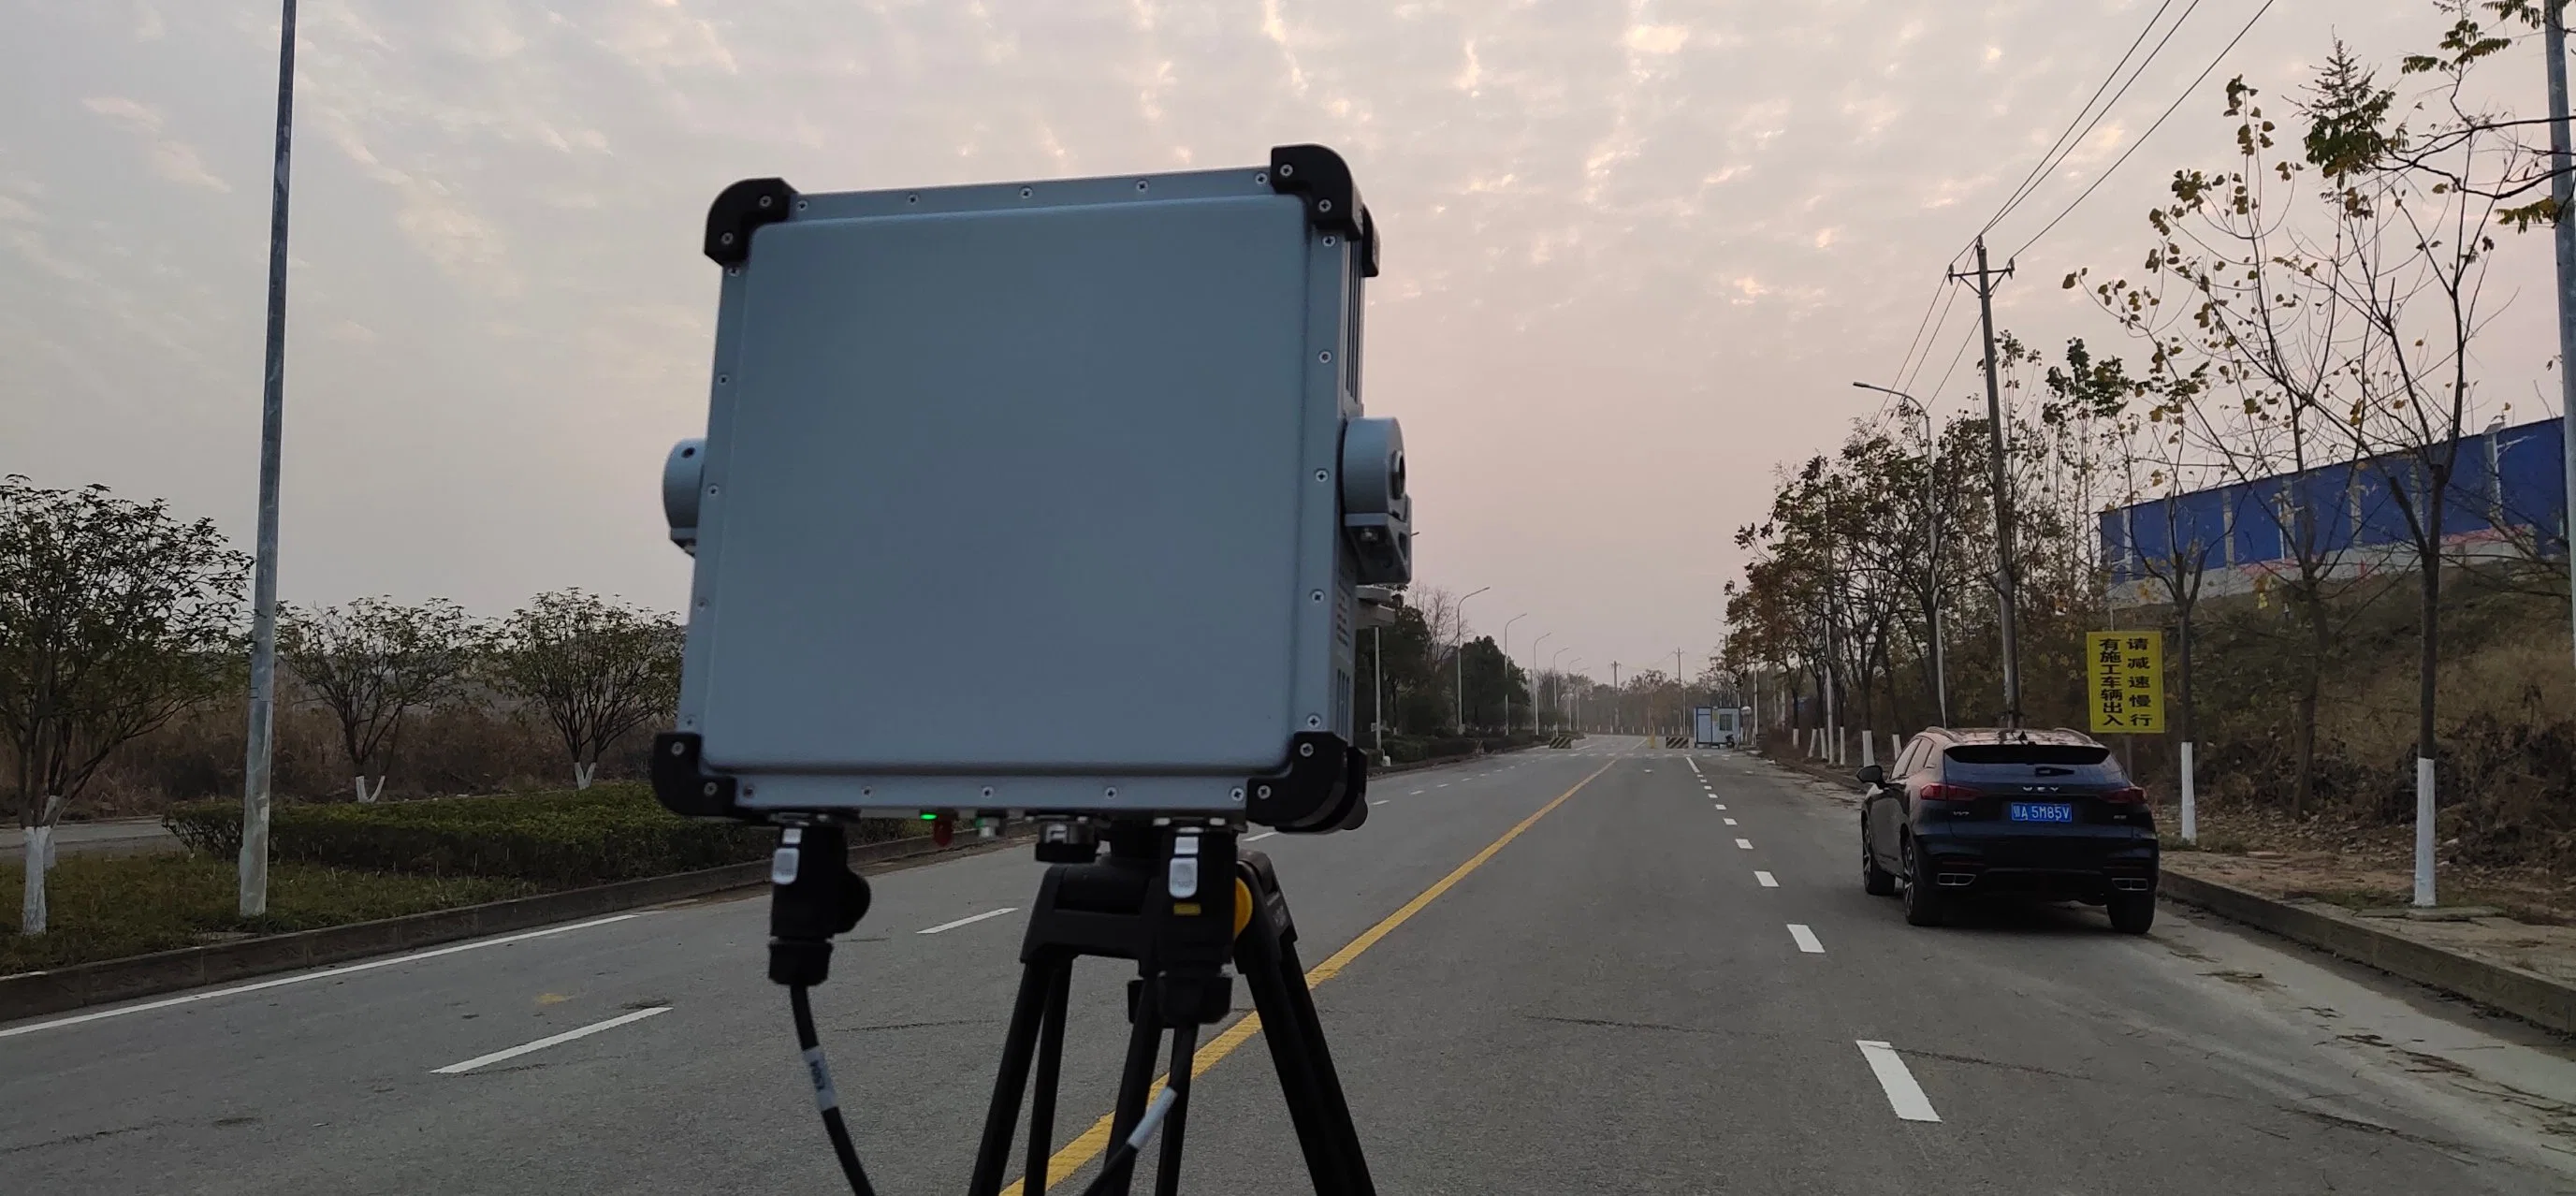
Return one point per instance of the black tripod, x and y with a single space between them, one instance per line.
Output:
1178 902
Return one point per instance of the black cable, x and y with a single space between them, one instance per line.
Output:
2071 139
2151 129
825 1098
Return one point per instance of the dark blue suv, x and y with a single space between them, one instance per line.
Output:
2048 814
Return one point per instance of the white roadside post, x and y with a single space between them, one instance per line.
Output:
2423 832
40 860
2190 796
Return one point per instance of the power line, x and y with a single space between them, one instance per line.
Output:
2151 129
2047 163
1943 321
1919 325
2040 170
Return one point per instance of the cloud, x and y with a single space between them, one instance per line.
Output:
171 158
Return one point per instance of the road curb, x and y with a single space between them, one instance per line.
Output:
32 994
2527 995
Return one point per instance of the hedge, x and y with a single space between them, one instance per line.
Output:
559 837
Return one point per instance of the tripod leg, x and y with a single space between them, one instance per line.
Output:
1042 1101
1324 1078
1133 1083
1285 1034
1002 1116
1185 1050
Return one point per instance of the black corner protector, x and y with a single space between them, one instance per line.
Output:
682 786
1317 175
740 209
1307 792
1367 244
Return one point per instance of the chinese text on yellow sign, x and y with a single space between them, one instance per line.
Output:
2126 670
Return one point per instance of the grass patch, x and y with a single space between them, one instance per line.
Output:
105 907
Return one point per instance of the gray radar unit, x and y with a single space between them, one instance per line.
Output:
1051 497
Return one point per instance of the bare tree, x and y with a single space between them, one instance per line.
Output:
2420 250
596 669
114 616
371 663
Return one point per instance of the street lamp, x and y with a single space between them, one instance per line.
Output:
1458 656
1931 551
1578 695
1507 670
1534 647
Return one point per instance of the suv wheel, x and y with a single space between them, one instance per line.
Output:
1874 880
2132 913
1925 905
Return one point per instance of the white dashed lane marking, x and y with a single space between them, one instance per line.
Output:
1768 881
946 926
1903 1094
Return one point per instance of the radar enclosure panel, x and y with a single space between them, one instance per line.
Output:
1026 496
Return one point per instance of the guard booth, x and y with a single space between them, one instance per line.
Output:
1714 726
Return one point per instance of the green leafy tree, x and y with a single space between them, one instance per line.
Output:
115 616
373 662
595 669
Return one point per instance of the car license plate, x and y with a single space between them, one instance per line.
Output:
2042 811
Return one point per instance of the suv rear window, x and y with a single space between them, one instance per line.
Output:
2013 763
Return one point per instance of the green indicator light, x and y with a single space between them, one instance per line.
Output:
930 818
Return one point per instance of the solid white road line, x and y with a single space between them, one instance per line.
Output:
324 974
1257 838
990 913
1768 881
1903 1093
1746 844
458 1069
1806 939
1730 822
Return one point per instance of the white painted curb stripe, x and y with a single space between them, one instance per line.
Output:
990 913
1903 1094
457 1069
324 974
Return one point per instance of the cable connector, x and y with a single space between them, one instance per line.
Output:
813 895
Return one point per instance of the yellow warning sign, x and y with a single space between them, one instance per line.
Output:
2127 674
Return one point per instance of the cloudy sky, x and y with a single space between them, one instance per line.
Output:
1634 252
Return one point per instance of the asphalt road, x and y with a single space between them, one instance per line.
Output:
1612 1001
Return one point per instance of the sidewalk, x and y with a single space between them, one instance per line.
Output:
2480 932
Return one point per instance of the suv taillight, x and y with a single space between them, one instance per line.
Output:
1940 792
2130 796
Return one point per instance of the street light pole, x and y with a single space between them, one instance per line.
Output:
1559 674
253 863
1534 706
1931 550
1458 656
1507 671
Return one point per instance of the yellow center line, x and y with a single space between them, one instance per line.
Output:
1093 1141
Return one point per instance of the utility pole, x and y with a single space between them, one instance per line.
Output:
2562 190
253 871
2007 586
